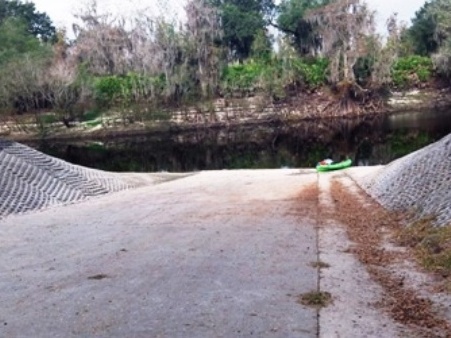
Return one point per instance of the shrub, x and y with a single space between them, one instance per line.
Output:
313 71
242 77
107 89
274 75
117 90
410 70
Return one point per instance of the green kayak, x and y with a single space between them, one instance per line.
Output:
334 166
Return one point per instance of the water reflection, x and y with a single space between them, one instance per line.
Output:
427 121
367 140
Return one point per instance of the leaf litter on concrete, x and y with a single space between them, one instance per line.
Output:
367 225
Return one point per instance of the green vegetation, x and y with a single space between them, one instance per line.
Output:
430 34
257 75
242 77
16 40
91 115
96 146
37 24
431 244
313 71
403 143
315 299
302 33
411 70
224 49
48 118
320 265
242 21
109 90
24 55
93 124
421 34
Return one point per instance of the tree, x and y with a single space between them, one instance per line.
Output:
304 34
241 21
62 84
345 26
261 47
37 23
440 12
23 59
16 40
24 55
102 42
422 33
174 54
204 32
384 56
21 87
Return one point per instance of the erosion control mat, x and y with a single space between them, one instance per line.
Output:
367 225
31 180
419 182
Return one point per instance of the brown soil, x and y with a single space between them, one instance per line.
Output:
308 206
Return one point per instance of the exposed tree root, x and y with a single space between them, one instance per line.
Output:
350 100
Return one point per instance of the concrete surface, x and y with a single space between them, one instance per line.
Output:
353 312
217 254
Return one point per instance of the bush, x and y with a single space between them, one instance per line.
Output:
106 89
313 71
274 75
411 70
242 77
116 90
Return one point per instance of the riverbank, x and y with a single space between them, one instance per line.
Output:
220 113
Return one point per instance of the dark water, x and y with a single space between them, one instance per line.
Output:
368 141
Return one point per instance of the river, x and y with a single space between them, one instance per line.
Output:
369 140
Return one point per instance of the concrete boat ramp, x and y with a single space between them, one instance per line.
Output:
85 253
213 254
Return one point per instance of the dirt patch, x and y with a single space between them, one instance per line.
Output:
306 202
368 224
309 194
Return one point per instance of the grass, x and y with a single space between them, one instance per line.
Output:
432 245
93 124
320 265
48 118
315 299
91 115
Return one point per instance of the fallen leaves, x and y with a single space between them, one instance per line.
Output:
367 224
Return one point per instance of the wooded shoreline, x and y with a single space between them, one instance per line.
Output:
220 113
